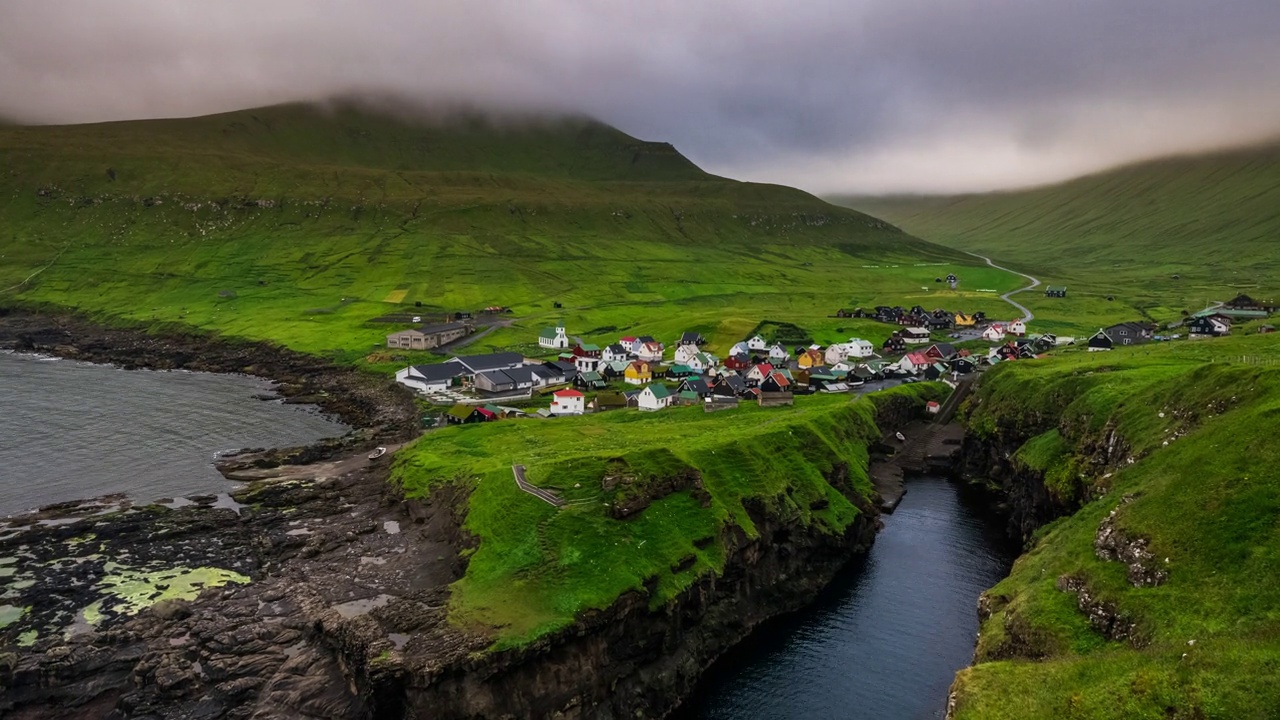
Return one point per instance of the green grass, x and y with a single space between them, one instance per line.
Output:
538 568
298 226
1210 219
1201 418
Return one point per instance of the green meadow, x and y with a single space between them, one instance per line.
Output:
537 567
1201 419
302 226
1210 220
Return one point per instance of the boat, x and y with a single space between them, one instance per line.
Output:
377 453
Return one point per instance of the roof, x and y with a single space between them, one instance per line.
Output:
444 327
688 395
1056 288
780 379
460 411
437 373
616 348
590 376
548 333
567 393
492 361
487 413
611 398
589 347
659 390
690 337
497 377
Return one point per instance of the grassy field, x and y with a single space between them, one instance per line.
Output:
1201 417
1212 220
301 226
538 567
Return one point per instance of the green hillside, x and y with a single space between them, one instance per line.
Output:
1213 220
1187 625
301 225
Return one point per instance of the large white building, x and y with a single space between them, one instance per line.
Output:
567 402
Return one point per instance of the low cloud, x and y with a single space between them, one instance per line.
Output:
852 96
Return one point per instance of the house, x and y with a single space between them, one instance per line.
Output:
1264 329
587 363
729 386
554 338
993 333
894 344
1208 326
1056 291
475 364
589 381
701 362
915 335
430 378
757 344
630 343
758 373
556 372
1100 341
740 348
655 396
692 338
615 353
650 351
613 370
963 365
607 401
464 415
567 402
638 372
428 336
914 362
1130 333
1017 327
776 382
963 321
698 386
1244 302
685 397
936 371
778 353
810 358
506 381
684 353
932 407
941 351
737 362
587 350
680 371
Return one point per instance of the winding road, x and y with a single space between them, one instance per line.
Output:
1027 315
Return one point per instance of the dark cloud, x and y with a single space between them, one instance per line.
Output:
857 95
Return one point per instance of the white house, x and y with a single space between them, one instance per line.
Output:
615 352
859 348
554 338
739 349
836 353
757 343
650 352
1017 327
778 353
915 336
758 373
685 353
993 333
586 364
654 397
429 378
701 362
567 402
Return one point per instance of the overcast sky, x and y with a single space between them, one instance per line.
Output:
846 95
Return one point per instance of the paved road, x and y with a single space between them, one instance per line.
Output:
1027 315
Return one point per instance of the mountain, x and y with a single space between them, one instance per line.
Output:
302 223
1211 219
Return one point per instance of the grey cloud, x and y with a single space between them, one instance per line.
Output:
859 95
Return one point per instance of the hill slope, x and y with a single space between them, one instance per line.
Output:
1211 219
301 224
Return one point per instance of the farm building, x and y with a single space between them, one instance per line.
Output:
428 336
1056 291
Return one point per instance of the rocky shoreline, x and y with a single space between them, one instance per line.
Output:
318 591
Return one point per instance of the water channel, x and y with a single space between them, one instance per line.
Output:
885 640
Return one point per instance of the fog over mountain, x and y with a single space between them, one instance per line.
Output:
831 96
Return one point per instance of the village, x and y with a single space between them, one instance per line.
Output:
644 373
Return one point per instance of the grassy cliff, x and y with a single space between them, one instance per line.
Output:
1209 219
1157 598
301 224
653 498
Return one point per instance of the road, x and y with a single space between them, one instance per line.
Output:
1027 315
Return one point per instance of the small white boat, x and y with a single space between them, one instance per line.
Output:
377 453
900 436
